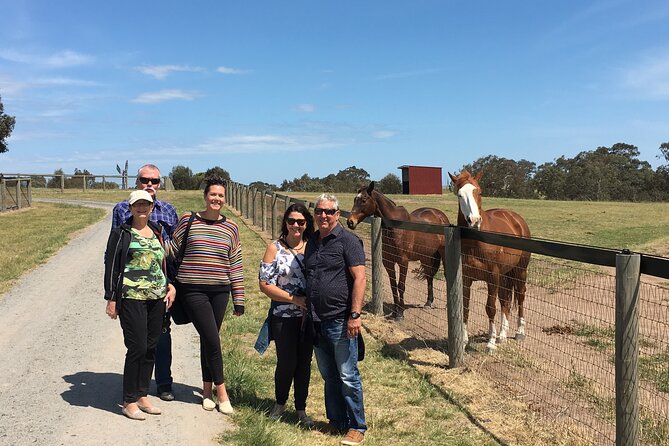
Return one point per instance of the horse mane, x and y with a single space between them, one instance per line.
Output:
384 196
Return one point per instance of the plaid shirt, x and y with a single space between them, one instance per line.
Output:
163 214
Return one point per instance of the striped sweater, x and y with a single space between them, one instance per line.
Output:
213 255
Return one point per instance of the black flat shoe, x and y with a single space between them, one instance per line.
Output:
166 396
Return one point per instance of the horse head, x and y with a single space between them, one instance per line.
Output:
364 205
468 190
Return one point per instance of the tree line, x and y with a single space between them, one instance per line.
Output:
604 174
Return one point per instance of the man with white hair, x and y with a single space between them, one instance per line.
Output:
164 214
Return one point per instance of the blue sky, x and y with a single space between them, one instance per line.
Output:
272 90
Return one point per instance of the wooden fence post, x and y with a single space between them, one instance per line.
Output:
255 219
274 231
30 191
62 183
263 217
104 183
18 193
456 347
83 182
3 195
627 348
377 267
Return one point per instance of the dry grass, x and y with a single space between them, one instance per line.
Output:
495 409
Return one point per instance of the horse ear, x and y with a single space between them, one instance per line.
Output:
453 177
370 188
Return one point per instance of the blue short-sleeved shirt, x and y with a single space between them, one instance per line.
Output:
329 281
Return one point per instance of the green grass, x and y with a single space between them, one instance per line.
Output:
402 407
612 225
615 225
600 338
655 368
30 236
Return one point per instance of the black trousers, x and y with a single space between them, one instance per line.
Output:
206 308
141 321
294 349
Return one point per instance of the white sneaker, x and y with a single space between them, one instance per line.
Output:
277 411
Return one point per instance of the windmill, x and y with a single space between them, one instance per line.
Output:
124 174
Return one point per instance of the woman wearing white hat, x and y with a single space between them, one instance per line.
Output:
138 292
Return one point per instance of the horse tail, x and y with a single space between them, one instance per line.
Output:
423 272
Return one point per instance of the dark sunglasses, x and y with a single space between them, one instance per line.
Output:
145 180
299 221
319 211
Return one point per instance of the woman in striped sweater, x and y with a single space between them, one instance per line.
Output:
211 270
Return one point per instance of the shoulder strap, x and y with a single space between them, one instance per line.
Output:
184 241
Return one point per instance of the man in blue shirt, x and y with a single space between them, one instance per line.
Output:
335 266
164 214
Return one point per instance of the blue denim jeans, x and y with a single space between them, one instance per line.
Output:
337 358
163 371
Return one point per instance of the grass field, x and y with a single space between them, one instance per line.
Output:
30 236
642 227
404 399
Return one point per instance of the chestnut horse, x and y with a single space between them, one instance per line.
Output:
401 245
504 269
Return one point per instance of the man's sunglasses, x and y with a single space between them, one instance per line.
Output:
319 211
145 180
299 221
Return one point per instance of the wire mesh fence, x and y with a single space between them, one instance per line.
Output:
564 368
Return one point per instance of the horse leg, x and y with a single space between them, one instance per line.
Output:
466 293
520 286
504 292
430 271
401 286
430 292
390 269
493 286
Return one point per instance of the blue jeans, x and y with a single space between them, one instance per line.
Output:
337 358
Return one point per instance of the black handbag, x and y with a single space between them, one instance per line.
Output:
178 309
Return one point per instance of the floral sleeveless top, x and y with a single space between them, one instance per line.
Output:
143 278
285 272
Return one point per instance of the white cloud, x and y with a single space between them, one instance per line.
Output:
383 134
409 74
162 71
164 95
9 87
61 59
228 70
68 59
649 77
305 108
64 81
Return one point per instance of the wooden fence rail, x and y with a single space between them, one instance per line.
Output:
628 265
15 193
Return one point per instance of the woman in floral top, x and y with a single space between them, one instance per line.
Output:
281 278
137 291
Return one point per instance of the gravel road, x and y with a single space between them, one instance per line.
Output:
61 361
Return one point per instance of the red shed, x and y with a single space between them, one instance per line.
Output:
420 180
